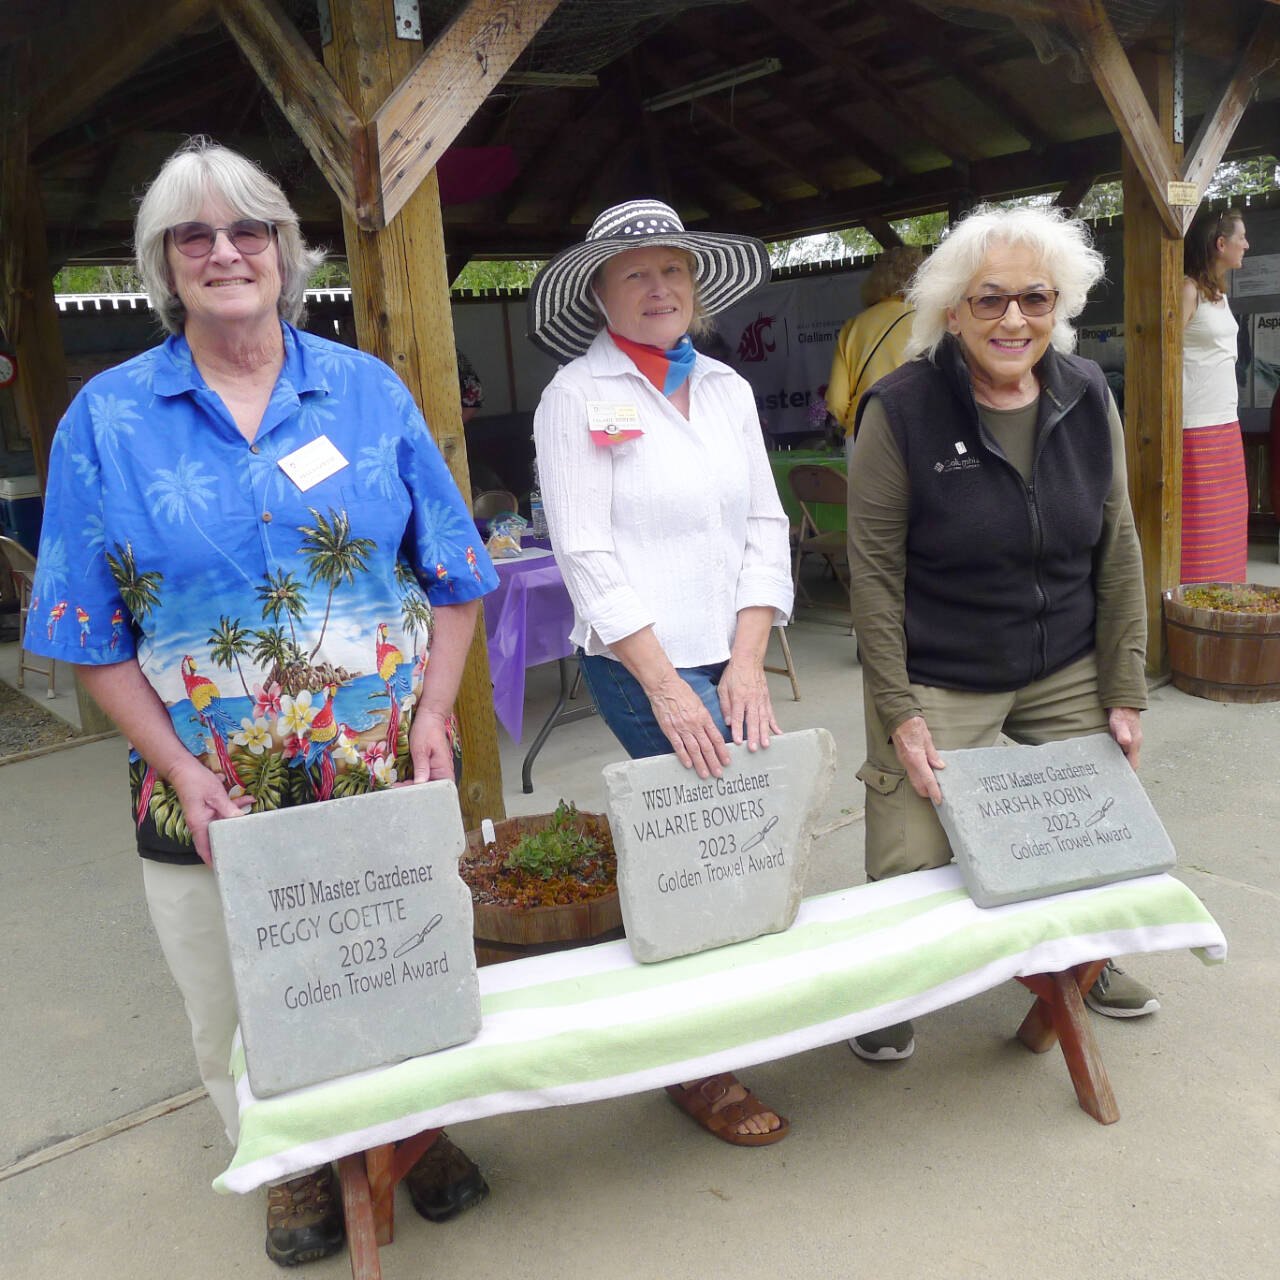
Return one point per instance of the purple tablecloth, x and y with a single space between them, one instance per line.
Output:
527 621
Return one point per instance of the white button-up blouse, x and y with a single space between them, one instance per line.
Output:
679 528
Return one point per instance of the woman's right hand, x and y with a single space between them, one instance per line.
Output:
203 798
684 718
918 756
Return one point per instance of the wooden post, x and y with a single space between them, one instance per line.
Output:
40 393
400 292
1153 366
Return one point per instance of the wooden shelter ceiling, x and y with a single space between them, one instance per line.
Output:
879 110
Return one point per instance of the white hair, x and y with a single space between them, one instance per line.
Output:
198 171
1060 244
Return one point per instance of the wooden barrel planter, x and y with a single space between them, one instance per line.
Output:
505 932
1221 654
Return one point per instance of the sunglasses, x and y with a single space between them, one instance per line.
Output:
1034 302
196 239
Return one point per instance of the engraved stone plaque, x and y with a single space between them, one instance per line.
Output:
702 863
1025 822
350 933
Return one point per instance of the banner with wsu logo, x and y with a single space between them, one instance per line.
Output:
782 338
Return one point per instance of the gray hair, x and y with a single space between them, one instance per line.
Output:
1060 243
200 170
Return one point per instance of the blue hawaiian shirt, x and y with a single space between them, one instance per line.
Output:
285 629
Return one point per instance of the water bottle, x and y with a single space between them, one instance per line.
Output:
537 517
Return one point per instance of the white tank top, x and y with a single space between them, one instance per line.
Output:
1209 393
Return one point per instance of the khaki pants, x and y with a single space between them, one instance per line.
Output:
903 831
187 913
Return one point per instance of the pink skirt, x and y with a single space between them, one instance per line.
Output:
1215 505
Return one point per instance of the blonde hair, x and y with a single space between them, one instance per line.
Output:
199 170
891 272
1060 243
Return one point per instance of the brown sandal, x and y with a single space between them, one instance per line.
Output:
700 1100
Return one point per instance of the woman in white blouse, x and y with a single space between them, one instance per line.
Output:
663 513
1215 494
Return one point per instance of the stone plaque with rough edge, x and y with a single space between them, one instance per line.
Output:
1026 822
350 933
702 863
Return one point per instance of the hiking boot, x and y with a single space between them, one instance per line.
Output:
887 1044
444 1182
1116 995
304 1219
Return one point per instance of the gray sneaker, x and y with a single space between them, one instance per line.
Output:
1116 995
887 1044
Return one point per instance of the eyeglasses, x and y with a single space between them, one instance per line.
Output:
196 239
1034 302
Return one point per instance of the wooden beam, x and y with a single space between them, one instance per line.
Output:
1044 10
864 81
1217 126
309 99
842 127
1102 51
1153 372
107 44
40 393
442 91
15 61
400 292
882 229
573 106
988 87
1070 196
734 122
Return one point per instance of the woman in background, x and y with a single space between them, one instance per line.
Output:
1215 495
874 342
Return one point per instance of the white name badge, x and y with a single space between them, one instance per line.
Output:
314 462
612 418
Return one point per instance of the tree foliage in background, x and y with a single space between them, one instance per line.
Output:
1234 178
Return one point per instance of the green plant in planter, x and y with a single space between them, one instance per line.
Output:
1232 599
556 850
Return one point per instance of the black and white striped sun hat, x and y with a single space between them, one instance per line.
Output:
562 320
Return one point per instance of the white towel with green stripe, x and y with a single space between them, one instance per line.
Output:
578 1026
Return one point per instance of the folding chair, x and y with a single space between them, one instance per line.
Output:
22 569
812 484
788 668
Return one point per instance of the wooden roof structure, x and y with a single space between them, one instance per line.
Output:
873 112
780 119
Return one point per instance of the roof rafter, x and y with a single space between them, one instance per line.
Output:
865 81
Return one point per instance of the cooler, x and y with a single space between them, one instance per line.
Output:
21 510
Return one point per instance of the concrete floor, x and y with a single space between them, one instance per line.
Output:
970 1160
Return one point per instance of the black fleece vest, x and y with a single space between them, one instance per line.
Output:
1000 573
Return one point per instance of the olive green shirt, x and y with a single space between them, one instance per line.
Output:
878 514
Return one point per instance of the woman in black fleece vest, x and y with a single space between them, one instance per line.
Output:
997 579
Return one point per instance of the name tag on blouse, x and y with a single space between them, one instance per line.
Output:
611 423
314 462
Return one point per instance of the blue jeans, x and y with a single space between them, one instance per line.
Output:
624 706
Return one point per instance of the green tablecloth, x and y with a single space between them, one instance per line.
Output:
827 516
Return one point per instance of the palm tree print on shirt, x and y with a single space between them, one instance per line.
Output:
333 557
180 492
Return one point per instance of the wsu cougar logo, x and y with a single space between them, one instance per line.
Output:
757 340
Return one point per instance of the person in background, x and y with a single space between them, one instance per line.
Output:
663 513
874 342
1215 493
259 636
996 574
470 388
